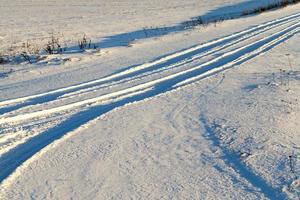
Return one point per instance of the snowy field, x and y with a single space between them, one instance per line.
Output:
159 110
23 20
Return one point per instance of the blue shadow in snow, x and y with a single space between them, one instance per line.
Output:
218 14
233 159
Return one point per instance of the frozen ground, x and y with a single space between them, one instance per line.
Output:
205 113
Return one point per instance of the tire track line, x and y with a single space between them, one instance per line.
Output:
235 56
17 158
179 63
150 64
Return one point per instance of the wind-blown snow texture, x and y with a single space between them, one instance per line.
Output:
204 113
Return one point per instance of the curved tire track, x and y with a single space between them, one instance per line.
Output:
195 52
95 107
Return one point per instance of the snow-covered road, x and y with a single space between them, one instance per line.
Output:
146 80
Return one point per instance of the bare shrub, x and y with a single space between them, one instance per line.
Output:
3 59
26 57
53 46
30 51
85 43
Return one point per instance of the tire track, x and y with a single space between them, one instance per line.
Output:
176 59
187 60
213 66
95 107
202 54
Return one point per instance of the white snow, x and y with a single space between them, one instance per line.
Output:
203 113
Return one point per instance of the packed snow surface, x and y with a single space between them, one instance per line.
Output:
157 110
